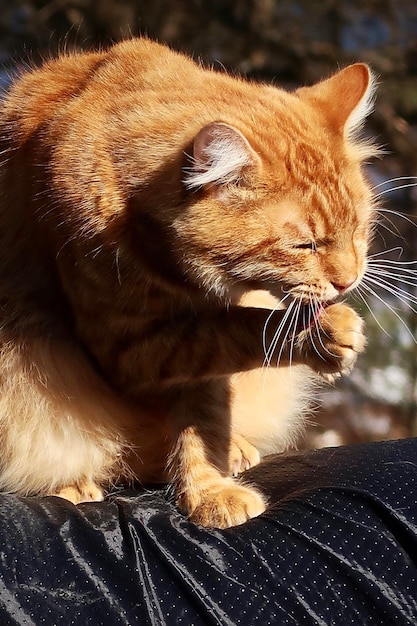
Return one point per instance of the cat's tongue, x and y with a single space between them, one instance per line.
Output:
310 317
318 312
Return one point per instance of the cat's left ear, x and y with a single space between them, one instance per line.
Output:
346 98
221 155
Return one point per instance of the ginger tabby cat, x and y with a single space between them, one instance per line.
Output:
173 240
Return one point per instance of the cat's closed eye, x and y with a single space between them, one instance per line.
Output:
307 245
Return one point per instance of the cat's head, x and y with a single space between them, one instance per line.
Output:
280 201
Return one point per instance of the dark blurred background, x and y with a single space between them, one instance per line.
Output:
290 43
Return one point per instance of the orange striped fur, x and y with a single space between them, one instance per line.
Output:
153 214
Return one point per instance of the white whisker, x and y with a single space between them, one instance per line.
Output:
313 303
392 263
268 319
276 336
295 323
403 296
369 289
395 233
320 333
397 214
395 180
397 248
400 267
406 279
360 292
392 189
274 342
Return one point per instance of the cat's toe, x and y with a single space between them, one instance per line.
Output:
242 455
83 492
230 505
331 378
341 339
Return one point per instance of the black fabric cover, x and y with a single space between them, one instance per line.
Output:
338 545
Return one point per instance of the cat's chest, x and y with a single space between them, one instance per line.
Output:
269 405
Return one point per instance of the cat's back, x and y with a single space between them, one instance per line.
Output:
138 85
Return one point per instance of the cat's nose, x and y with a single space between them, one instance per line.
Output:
342 287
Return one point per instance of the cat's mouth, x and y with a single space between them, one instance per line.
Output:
309 316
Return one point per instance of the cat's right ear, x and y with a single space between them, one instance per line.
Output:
346 98
221 154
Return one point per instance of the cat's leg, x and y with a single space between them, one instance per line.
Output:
226 341
58 422
200 461
205 493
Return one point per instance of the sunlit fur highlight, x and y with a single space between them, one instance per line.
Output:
221 161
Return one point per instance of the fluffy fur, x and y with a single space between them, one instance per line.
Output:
157 218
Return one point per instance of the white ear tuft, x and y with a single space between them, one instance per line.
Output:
364 107
220 153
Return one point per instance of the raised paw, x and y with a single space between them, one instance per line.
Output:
242 455
225 504
82 492
336 341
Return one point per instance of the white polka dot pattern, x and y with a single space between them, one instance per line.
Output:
341 549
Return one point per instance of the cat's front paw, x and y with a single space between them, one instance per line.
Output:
225 504
336 341
242 455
